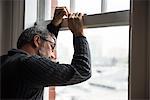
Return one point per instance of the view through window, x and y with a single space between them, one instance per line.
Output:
109 52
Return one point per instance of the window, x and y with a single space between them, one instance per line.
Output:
46 7
109 52
107 29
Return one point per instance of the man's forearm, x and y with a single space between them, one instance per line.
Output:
53 29
81 61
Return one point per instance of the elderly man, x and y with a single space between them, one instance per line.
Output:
25 71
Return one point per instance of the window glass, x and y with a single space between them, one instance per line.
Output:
64 3
50 5
59 3
109 52
88 6
48 10
117 5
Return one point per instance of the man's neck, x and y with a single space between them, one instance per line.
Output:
28 49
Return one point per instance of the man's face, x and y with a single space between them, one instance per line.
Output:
47 48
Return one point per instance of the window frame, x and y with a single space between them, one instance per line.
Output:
119 18
103 19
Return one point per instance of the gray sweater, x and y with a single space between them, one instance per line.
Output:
24 77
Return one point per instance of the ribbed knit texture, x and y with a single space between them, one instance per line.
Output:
24 77
51 28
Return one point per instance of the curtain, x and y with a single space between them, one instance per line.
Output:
11 23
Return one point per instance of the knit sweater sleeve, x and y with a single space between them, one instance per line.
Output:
53 29
42 71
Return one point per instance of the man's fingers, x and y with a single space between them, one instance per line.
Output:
61 11
62 7
66 10
80 14
69 16
76 15
72 16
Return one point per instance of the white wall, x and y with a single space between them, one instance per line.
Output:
139 58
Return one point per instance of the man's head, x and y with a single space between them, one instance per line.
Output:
37 40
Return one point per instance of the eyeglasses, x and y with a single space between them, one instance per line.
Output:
51 43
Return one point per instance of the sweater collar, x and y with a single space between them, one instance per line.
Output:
14 51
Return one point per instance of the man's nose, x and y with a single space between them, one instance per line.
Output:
53 56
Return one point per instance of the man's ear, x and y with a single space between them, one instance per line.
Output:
36 41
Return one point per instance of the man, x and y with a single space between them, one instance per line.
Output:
27 70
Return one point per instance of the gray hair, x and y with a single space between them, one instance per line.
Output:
28 34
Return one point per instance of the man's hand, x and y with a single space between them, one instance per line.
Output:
60 12
75 24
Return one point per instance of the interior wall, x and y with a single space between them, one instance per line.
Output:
12 15
6 14
148 45
0 26
139 64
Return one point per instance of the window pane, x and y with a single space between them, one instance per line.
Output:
48 9
84 6
109 52
117 5
64 3
50 5
88 6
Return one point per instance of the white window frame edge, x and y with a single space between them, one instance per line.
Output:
40 10
103 6
30 13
